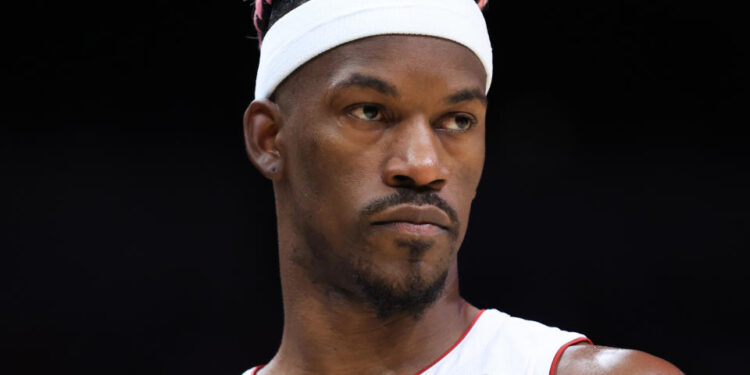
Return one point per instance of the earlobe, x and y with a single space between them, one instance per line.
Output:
261 125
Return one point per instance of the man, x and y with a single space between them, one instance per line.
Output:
369 119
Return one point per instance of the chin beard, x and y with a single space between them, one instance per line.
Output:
409 294
412 296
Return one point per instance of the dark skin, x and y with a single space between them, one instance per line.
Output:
359 123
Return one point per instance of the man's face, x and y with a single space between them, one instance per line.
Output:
382 142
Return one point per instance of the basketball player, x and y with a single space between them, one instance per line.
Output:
369 119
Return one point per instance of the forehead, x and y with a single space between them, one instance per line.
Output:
396 58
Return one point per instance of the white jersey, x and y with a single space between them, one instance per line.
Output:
499 344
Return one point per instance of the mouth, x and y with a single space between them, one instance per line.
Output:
412 229
413 220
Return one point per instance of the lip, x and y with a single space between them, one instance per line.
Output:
412 219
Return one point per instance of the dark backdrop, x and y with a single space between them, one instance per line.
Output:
137 238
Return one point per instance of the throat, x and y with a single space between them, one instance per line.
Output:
332 339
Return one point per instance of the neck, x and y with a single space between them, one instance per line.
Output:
325 332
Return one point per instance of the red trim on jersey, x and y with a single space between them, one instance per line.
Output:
454 344
463 335
560 351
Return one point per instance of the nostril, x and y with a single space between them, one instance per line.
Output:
437 184
403 180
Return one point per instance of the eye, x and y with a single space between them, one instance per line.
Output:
367 112
457 122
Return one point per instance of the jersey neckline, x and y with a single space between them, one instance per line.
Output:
455 344
254 370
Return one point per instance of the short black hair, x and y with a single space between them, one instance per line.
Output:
271 11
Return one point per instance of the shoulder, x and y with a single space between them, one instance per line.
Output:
591 359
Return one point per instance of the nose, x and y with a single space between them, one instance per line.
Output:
414 157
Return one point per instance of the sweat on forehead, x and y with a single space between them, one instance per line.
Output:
317 26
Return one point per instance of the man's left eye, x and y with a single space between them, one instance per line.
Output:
457 122
367 112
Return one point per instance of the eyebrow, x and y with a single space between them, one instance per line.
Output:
370 82
467 95
383 87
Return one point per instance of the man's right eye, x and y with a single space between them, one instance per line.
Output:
367 112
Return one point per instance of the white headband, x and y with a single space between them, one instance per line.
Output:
320 25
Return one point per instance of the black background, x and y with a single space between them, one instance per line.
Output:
137 238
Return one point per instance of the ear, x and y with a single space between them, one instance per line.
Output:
261 123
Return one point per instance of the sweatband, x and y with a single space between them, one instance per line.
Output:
320 25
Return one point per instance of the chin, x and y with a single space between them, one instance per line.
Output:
408 285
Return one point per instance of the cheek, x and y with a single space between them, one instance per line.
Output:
477 162
466 173
467 159
331 174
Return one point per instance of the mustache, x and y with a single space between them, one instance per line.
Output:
410 196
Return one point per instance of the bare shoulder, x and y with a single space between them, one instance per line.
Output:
599 360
